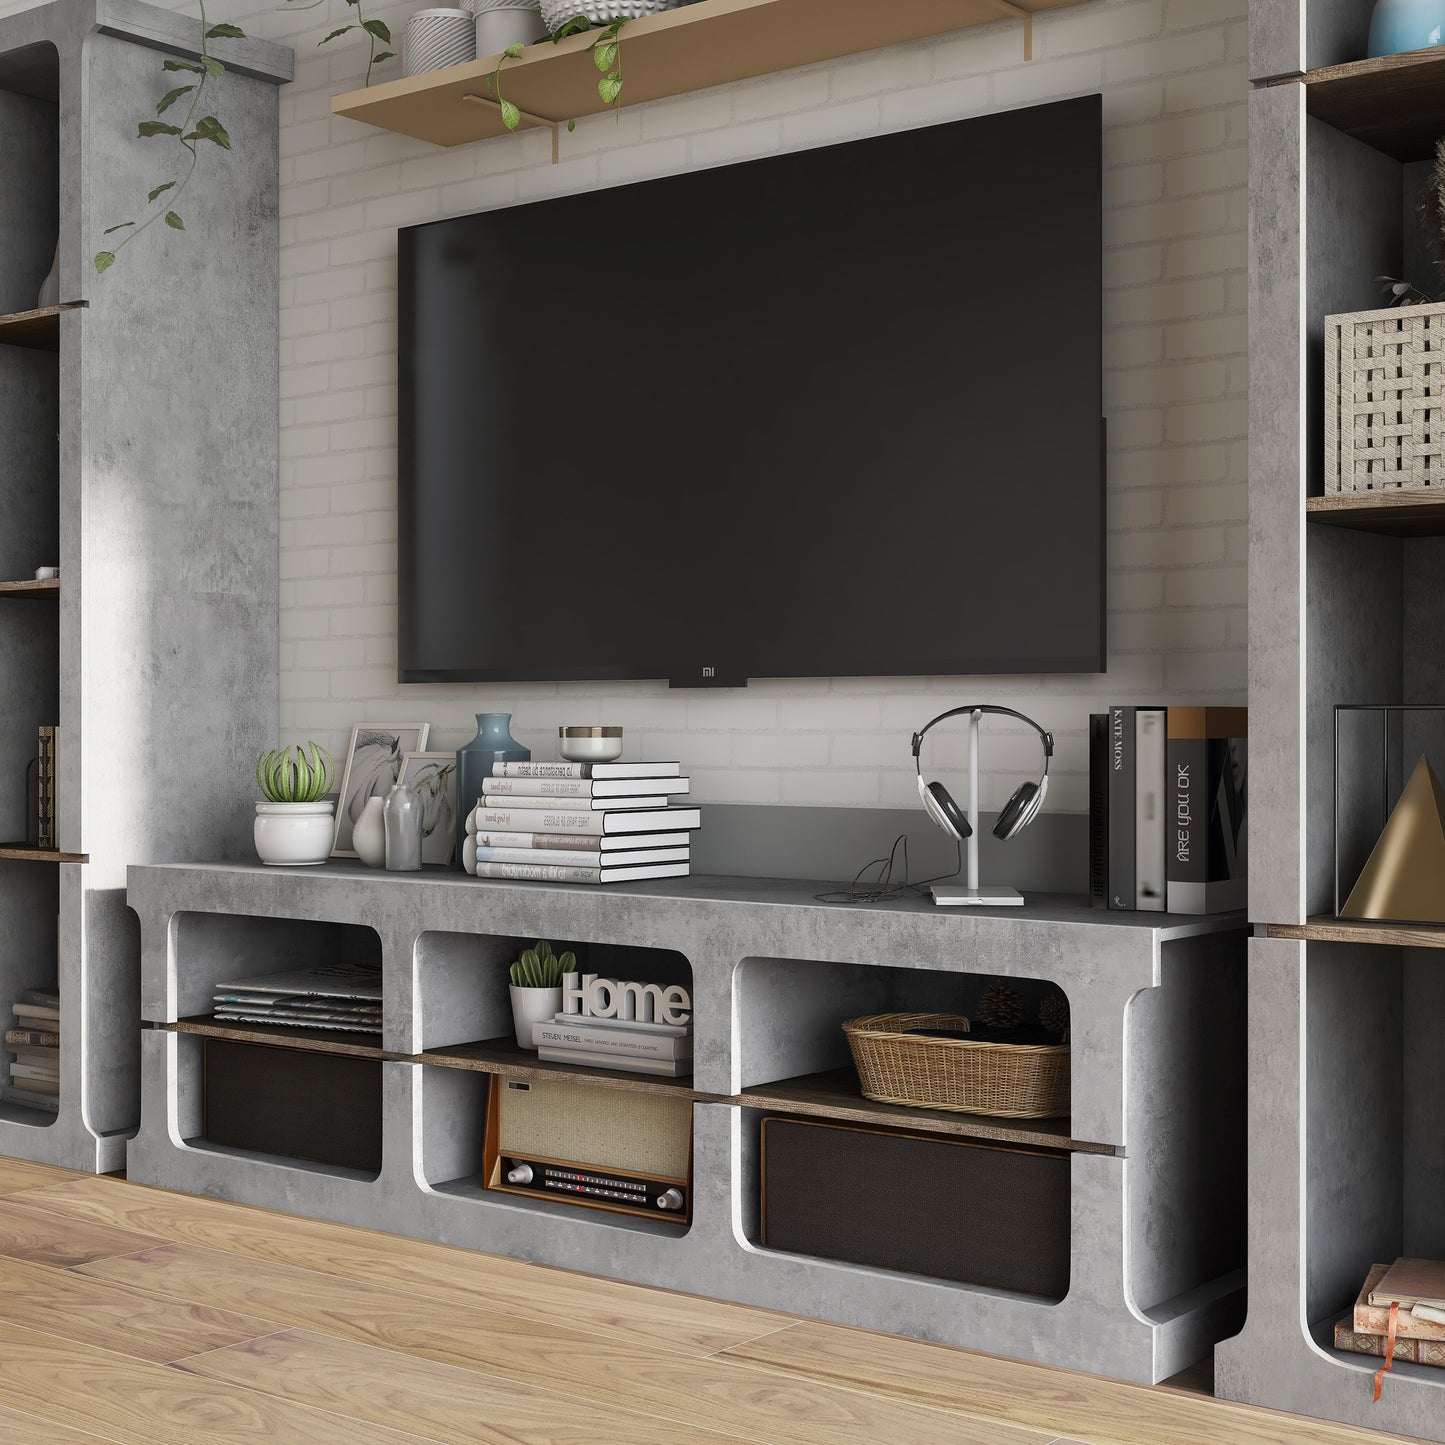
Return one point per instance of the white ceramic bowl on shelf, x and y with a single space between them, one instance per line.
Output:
556 13
590 744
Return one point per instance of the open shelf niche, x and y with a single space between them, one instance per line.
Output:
694 47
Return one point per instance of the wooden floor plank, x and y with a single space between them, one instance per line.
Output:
42 1237
1057 1402
26 1429
694 1393
16 1176
439 1402
629 1313
143 1404
110 1317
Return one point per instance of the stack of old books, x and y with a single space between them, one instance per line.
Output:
34 1048
611 1043
1416 1287
344 996
581 823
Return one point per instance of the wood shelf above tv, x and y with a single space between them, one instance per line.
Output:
1395 103
37 330
713 42
1325 929
29 853
47 588
1395 513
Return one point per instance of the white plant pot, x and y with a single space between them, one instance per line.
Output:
293 835
533 1006
507 25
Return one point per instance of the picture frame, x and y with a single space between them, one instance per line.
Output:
374 760
433 777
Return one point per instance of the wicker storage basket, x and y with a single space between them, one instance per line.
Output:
1384 390
1013 1081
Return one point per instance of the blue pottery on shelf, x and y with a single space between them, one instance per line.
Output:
1401 25
493 743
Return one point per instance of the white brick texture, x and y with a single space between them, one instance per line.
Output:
1174 83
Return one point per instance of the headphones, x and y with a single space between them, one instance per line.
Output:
1018 812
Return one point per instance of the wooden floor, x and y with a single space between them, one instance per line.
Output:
129 1314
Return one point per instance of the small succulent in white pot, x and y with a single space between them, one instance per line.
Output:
536 989
294 824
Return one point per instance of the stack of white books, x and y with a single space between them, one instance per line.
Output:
34 1048
581 823
345 996
601 1043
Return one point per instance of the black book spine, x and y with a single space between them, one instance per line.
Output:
1099 810
1122 876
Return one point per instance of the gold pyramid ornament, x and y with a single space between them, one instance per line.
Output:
1405 877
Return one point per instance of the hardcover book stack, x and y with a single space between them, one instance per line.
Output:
345 996
1167 806
581 823
1417 1288
601 1043
34 1048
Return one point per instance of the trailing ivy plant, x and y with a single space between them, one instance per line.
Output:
606 52
189 136
376 30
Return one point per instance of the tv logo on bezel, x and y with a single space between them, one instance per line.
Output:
709 672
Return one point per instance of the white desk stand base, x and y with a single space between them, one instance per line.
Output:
977 897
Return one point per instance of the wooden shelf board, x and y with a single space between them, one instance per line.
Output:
835 1095
1395 513
38 330
1325 929
502 1056
29 853
1395 103
713 42
308 1041
31 588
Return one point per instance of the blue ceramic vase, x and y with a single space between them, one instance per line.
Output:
493 743
1400 25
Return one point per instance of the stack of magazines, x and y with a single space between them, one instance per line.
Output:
581 823
330 996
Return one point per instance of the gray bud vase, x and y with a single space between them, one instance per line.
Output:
403 830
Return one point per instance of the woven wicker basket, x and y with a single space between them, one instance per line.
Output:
1385 400
1012 1081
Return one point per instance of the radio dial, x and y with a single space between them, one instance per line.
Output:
521 1174
670 1199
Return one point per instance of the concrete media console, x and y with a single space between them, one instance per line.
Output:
1155 1137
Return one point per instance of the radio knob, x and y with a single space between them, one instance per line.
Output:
670 1199
521 1174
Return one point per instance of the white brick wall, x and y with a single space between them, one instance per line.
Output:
1173 77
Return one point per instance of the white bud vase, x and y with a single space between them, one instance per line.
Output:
368 837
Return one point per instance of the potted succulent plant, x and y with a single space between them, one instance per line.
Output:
294 825
536 988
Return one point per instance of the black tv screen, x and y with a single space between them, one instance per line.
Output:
832 413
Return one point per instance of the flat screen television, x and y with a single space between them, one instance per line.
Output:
833 413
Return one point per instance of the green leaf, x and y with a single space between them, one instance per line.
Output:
335 33
181 65
104 260
571 126
209 128
377 28
604 57
225 32
161 190
513 52
109 229
511 116
174 221
158 127
383 55
171 97
213 66
613 30
575 26
609 88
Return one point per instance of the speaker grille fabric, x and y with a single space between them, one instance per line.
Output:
637 1133
949 1209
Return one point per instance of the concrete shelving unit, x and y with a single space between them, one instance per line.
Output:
1157 1106
138 449
1346 1158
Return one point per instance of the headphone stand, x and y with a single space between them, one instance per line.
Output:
951 896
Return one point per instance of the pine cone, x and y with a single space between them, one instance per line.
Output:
1000 1007
1054 1013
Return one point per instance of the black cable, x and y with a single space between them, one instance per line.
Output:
883 889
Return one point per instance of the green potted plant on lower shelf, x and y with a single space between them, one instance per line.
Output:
294 826
536 988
